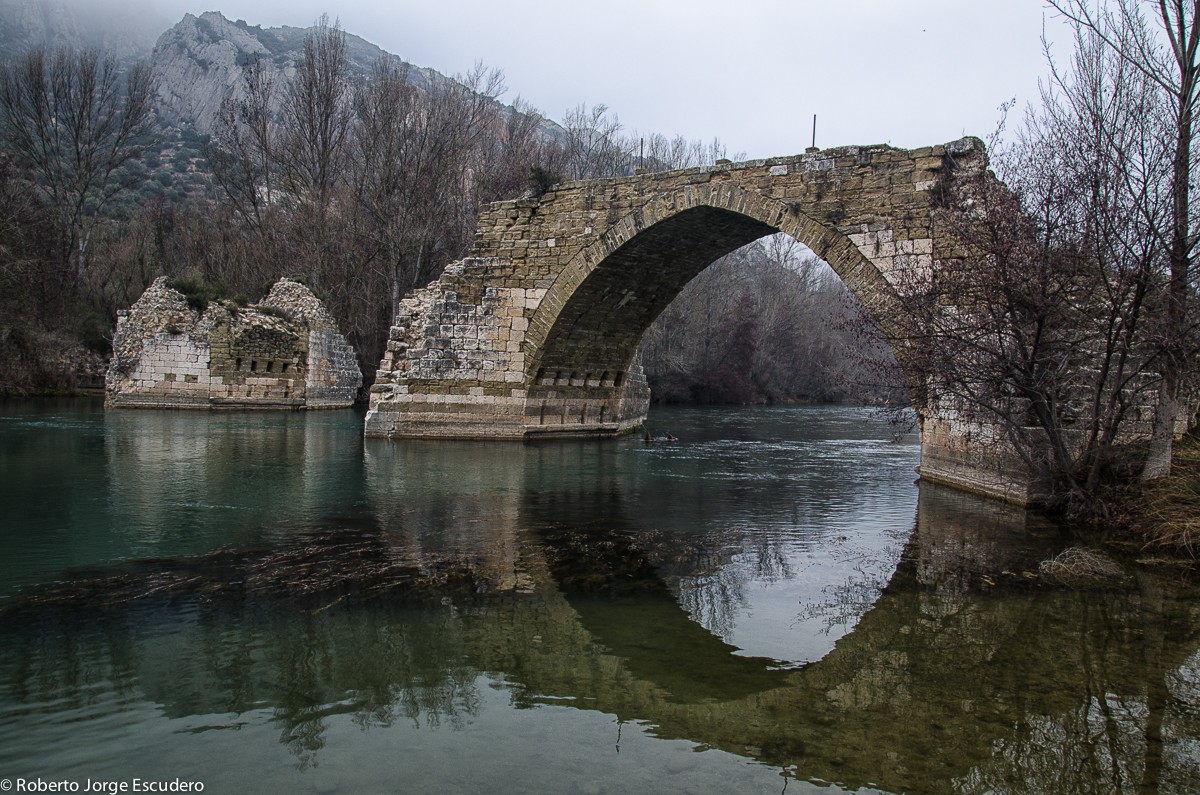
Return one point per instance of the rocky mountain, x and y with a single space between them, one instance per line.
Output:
200 62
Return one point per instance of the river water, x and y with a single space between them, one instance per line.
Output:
267 603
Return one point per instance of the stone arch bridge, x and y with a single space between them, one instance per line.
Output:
534 335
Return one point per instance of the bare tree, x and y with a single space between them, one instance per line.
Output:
317 116
74 118
657 152
312 149
1043 328
516 148
1165 53
25 288
417 156
243 148
371 184
766 323
594 145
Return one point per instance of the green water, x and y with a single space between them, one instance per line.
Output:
267 603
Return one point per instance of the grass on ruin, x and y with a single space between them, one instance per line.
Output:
275 311
199 293
1166 515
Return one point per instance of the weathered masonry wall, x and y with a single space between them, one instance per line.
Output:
972 456
466 371
284 352
333 378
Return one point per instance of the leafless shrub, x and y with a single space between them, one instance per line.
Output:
1081 566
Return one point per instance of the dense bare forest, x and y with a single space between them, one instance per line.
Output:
769 323
364 186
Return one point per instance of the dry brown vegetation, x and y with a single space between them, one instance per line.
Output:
1166 514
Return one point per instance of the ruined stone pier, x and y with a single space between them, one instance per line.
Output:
284 352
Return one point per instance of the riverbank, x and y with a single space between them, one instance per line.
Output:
36 362
1164 516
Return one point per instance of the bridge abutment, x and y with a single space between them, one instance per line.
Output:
973 457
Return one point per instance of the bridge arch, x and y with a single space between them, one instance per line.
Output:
598 307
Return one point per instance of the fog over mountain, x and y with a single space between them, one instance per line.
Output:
125 28
198 61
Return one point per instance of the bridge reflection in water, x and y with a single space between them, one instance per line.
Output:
964 675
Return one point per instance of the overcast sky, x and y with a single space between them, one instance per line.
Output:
750 72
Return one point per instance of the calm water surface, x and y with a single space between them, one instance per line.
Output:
265 602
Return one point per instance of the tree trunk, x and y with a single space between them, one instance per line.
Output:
1162 437
1158 460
